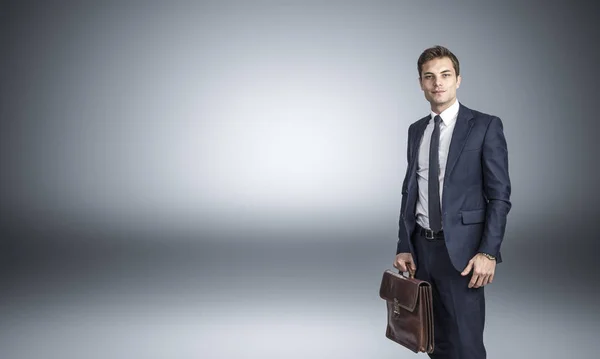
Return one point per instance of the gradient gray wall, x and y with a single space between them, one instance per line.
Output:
222 180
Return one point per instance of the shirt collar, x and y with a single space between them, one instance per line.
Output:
449 115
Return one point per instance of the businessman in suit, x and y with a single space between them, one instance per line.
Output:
455 201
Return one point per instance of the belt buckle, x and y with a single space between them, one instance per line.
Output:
429 234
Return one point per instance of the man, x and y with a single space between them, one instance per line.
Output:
455 200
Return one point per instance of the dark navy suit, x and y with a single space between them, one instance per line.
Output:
475 204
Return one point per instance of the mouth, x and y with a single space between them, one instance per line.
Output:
438 92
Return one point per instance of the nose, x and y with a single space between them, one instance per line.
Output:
437 82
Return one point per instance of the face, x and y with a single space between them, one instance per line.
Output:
439 83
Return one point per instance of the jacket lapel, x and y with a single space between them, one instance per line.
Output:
419 134
464 123
416 144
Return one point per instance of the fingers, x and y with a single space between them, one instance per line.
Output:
404 262
483 272
399 264
473 280
487 280
410 266
480 279
467 268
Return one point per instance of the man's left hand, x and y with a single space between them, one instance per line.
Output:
483 270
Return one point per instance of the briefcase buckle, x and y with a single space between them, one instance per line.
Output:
396 307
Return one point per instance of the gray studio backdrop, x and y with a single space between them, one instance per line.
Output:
222 180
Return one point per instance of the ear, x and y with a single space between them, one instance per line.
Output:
421 83
458 80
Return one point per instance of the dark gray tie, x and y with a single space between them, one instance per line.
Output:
435 212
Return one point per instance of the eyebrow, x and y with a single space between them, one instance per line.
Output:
431 73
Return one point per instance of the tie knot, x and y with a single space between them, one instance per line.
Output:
437 119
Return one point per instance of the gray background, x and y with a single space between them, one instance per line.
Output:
222 180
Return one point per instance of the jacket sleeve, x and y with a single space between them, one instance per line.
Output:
496 187
402 245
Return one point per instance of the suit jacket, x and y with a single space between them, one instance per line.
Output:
476 196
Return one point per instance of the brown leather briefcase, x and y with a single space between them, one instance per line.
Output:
409 311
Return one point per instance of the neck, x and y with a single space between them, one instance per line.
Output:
437 109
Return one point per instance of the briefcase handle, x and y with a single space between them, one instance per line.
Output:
411 272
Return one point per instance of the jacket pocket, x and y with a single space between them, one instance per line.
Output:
473 216
472 149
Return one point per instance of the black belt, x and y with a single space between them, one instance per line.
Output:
429 234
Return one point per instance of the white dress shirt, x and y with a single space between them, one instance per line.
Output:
446 128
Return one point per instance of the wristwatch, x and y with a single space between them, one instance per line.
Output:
488 256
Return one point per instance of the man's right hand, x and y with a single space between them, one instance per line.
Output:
404 262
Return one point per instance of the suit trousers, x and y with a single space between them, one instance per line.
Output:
458 311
